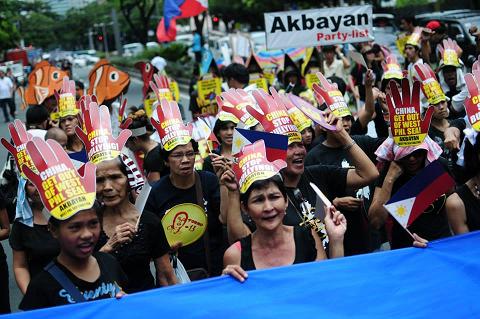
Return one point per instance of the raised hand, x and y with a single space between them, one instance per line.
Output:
472 102
98 131
62 190
161 87
228 179
330 95
408 127
335 224
20 137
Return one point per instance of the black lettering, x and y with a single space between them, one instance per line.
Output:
277 25
349 20
307 23
336 24
322 22
363 16
292 24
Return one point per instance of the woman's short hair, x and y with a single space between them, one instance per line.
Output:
262 184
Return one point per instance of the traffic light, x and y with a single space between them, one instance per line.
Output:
215 19
100 37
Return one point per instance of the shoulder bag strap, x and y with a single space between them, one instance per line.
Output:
65 282
206 239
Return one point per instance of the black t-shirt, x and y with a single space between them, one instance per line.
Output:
472 207
164 196
356 236
134 258
153 162
381 126
432 224
305 250
45 291
38 244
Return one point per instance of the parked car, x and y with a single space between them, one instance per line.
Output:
457 22
133 49
152 45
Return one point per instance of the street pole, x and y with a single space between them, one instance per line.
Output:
116 33
90 39
105 40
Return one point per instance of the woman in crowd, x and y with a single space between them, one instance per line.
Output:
400 165
223 131
463 206
133 238
32 244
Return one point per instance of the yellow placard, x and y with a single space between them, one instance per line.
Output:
270 76
299 119
311 78
450 57
473 112
339 107
175 90
207 91
67 105
259 81
148 105
102 146
401 44
407 129
184 223
433 91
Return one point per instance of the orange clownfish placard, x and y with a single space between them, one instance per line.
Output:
406 124
106 81
43 81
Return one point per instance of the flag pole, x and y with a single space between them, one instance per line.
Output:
409 233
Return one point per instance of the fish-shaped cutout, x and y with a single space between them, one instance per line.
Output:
43 81
147 70
106 81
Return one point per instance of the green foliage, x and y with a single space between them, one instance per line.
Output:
170 52
407 3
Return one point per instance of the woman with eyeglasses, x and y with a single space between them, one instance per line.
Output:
400 164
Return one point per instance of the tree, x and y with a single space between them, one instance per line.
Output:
137 14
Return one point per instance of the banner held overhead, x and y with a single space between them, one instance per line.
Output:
306 28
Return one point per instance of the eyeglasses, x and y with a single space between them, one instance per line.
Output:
179 156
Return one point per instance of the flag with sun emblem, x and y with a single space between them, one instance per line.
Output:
276 144
415 196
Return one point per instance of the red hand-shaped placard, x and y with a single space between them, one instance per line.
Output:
476 65
472 102
66 100
450 52
62 190
170 126
275 117
430 86
20 137
252 165
408 128
331 96
97 137
161 87
391 68
234 102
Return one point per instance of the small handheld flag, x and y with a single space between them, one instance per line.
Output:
276 148
421 191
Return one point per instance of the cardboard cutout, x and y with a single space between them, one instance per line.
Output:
330 95
312 112
407 126
184 223
147 70
208 88
232 107
310 66
449 52
414 38
62 190
252 165
20 137
97 136
472 102
42 82
430 86
67 105
170 125
298 118
275 117
106 81
391 68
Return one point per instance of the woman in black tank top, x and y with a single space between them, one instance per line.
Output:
274 244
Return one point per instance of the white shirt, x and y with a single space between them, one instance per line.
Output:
336 68
6 86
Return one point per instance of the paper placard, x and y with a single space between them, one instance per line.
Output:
207 91
184 223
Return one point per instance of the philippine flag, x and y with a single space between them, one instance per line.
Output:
276 144
177 9
421 191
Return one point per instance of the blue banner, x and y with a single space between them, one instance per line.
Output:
441 281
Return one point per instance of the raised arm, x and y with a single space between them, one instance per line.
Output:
457 217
